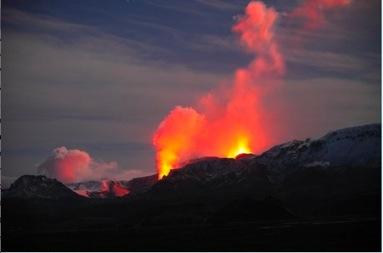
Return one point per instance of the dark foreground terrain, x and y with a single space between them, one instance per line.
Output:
312 195
333 235
113 226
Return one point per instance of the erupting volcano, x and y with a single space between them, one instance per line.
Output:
232 121
236 119
264 119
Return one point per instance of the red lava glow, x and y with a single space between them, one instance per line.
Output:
119 191
241 148
113 187
236 119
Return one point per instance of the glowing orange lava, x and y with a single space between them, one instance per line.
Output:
167 162
242 147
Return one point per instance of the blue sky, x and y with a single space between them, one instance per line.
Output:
100 75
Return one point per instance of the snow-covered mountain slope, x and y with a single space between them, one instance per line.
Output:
84 188
344 153
30 186
337 174
100 189
349 147
113 188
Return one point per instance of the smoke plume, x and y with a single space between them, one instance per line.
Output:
231 121
74 165
238 118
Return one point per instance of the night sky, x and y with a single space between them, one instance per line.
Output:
101 75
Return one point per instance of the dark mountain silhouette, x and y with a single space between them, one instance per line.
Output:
30 186
283 199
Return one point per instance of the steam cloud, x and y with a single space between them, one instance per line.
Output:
237 118
74 165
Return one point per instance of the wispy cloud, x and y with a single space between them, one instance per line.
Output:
66 83
89 88
326 60
223 4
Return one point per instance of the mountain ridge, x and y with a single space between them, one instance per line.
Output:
295 192
349 147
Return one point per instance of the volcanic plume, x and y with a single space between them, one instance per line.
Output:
66 165
227 123
74 165
237 119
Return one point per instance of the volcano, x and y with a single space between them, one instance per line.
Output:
330 185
